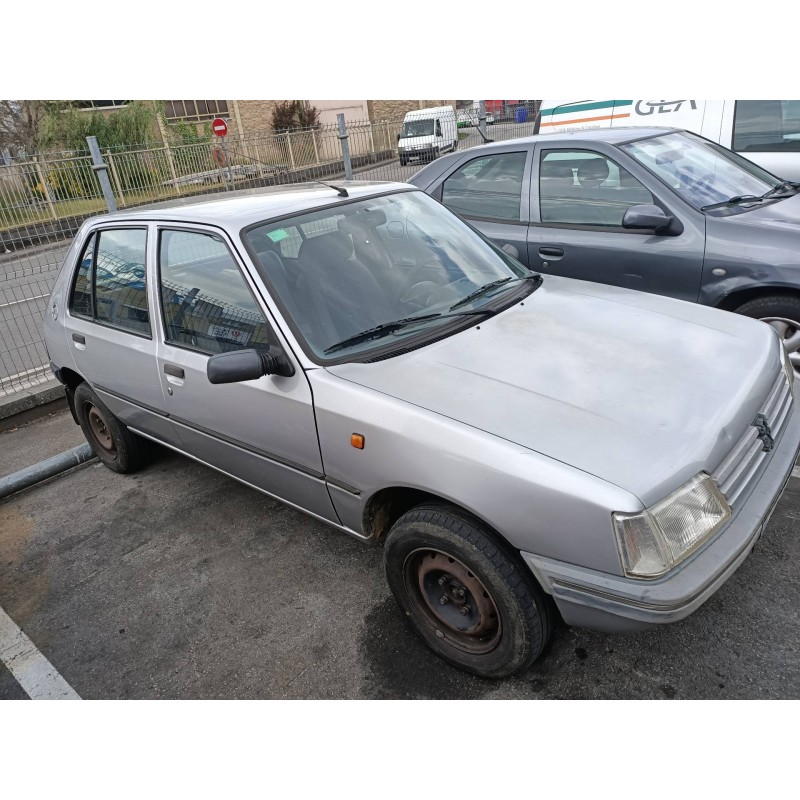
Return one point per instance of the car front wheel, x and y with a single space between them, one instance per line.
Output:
782 312
464 593
118 448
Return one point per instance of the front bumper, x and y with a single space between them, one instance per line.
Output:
427 154
605 602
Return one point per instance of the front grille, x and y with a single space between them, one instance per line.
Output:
738 469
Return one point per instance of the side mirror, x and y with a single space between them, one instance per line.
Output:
646 216
247 365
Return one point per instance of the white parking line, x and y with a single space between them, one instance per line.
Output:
26 300
34 673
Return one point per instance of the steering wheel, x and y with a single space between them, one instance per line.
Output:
419 294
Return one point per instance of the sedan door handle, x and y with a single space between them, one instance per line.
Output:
78 338
551 252
176 372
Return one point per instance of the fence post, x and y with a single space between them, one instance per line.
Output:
482 119
291 154
45 187
99 166
316 149
115 177
348 166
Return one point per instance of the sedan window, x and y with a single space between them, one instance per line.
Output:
111 281
582 187
206 302
489 187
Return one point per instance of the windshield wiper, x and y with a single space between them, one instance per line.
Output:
387 328
734 201
785 186
488 287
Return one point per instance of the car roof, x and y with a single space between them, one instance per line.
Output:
608 135
243 207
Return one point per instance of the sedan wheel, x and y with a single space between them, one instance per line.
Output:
782 312
465 592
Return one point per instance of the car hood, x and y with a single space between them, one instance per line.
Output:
639 390
783 215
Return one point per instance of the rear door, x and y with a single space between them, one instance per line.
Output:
579 198
109 326
263 431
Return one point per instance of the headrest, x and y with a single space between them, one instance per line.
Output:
369 218
594 169
326 248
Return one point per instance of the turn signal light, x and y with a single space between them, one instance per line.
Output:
357 441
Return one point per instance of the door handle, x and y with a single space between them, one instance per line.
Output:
176 372
551 252
78 338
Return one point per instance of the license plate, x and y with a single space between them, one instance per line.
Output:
229 334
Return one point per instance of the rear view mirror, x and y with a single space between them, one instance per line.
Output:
646 217
247 365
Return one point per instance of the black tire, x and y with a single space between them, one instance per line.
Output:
118 448
782 311
785 306
437 549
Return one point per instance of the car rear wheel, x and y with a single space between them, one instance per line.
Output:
118 448
467 597
783 313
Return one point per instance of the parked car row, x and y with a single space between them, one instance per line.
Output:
524 444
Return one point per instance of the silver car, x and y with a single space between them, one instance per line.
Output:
524 448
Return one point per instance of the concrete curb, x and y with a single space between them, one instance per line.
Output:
26 399
44 470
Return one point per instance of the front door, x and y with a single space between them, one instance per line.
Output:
580 197
491 192
263 431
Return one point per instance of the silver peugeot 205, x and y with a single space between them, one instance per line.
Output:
522 446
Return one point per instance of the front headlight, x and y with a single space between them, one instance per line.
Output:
655 540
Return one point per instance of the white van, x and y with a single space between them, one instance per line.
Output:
764 131
427 133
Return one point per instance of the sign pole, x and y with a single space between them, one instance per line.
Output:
228 162
220 128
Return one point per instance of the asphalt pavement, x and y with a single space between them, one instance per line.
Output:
178 582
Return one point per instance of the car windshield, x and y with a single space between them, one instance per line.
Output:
702 172
417 127
382 262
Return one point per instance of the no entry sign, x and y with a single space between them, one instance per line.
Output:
219 126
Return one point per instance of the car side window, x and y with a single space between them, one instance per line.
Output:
771 126
489 186
582 187
206 302
111 280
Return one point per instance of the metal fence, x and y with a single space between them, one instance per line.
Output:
44 200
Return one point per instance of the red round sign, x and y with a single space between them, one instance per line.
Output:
219 126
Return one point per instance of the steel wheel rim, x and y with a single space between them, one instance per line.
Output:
430 575
100 430
789 331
